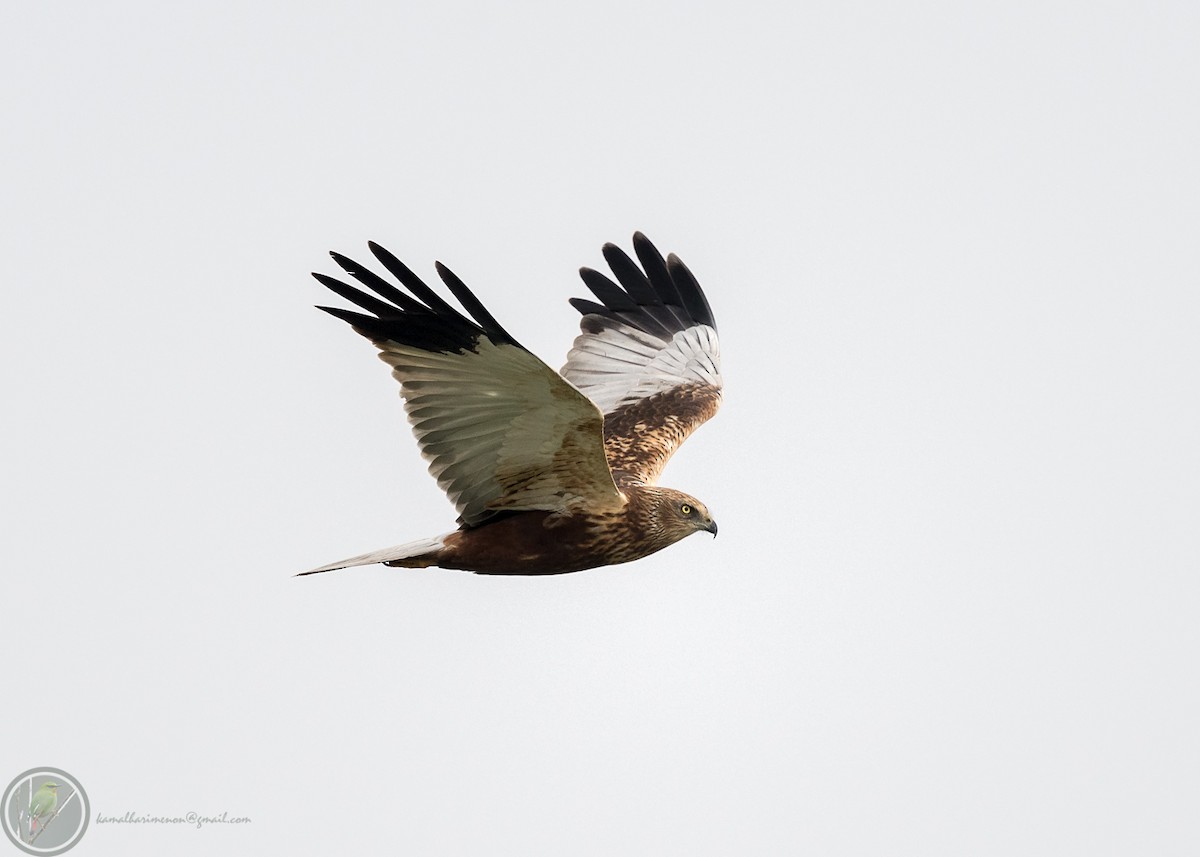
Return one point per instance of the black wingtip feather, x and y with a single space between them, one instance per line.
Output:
690 291
609 293
357 319
371 304
377 284
660 297
630 276
410 280
656 270
421 320
473 305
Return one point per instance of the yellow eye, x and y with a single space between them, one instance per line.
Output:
686 509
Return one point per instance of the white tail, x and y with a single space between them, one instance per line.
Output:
415 551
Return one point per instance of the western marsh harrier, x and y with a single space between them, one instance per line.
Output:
549 472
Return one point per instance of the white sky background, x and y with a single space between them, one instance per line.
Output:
952 251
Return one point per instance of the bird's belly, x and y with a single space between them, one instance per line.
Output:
524 544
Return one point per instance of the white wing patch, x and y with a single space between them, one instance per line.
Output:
502 431
619 363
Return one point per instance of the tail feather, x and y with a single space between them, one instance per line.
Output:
420 554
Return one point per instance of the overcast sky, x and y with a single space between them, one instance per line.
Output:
952 251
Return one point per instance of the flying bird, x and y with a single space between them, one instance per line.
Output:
549 472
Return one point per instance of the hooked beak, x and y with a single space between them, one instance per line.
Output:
712 527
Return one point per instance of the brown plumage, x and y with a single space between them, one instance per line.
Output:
549 472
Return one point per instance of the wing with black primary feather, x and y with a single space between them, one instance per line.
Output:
501 430
648 355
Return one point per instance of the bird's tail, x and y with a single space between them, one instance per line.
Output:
420 554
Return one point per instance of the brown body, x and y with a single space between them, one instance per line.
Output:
552 543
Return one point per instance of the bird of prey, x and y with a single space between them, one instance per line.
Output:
550 472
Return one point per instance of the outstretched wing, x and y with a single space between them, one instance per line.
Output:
502 431
648 356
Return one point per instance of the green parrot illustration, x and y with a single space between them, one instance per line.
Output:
44 801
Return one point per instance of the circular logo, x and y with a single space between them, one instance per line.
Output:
45 811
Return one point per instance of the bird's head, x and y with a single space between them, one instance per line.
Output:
52 786
677 515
